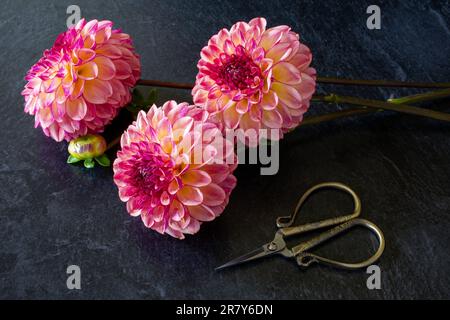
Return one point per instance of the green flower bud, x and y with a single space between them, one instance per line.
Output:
87 147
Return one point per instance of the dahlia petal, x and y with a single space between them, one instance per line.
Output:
90 27
255 113
106 68
301 61
158 213
229 183
174 233
237 37
77 89
97 91
261 23
45 117
196 178
76 109
269 100
147 219
228 47
164 129
123 69
181 127
86 54
201 213
213 195
214 93
242 106
222 36
200 96
286 73
190 196
210 53
167 144
56 132
165 198
272 36
109 51
231 117
307 87
192 227
272 119
104 110
287 94
279 51
176 210
217 172
88 71
60 95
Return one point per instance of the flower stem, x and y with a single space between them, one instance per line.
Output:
382 83
113 143
324 80
336 115
378 104
164 84
428 96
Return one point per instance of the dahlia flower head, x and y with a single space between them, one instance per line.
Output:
174 169
255 78
79 84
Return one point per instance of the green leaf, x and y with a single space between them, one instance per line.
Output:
103 160
138 97
151 99
71 159
89 163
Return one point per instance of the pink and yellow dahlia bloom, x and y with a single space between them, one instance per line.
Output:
251 77
80 83
175 169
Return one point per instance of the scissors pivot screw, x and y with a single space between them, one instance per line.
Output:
272 246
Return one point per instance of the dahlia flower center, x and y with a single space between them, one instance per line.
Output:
239 71
152 172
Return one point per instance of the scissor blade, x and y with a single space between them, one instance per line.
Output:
255 254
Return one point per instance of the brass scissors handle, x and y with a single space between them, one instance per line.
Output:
305 259
285 222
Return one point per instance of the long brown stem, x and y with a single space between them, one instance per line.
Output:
382 83
336 115
428 96
324 80
165 84
378 104
421 97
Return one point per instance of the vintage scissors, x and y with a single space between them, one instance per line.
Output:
300 252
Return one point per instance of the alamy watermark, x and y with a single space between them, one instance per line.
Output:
75 15
74 278
374 20
374 280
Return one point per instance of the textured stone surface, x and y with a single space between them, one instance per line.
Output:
53 215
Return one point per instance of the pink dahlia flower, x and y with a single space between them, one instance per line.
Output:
79 84
251 77
175 169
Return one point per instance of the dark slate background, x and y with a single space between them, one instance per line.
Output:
53 215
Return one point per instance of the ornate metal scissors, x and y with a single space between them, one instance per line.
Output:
300 252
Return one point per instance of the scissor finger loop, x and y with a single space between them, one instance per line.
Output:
289 231
287 221
305 259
